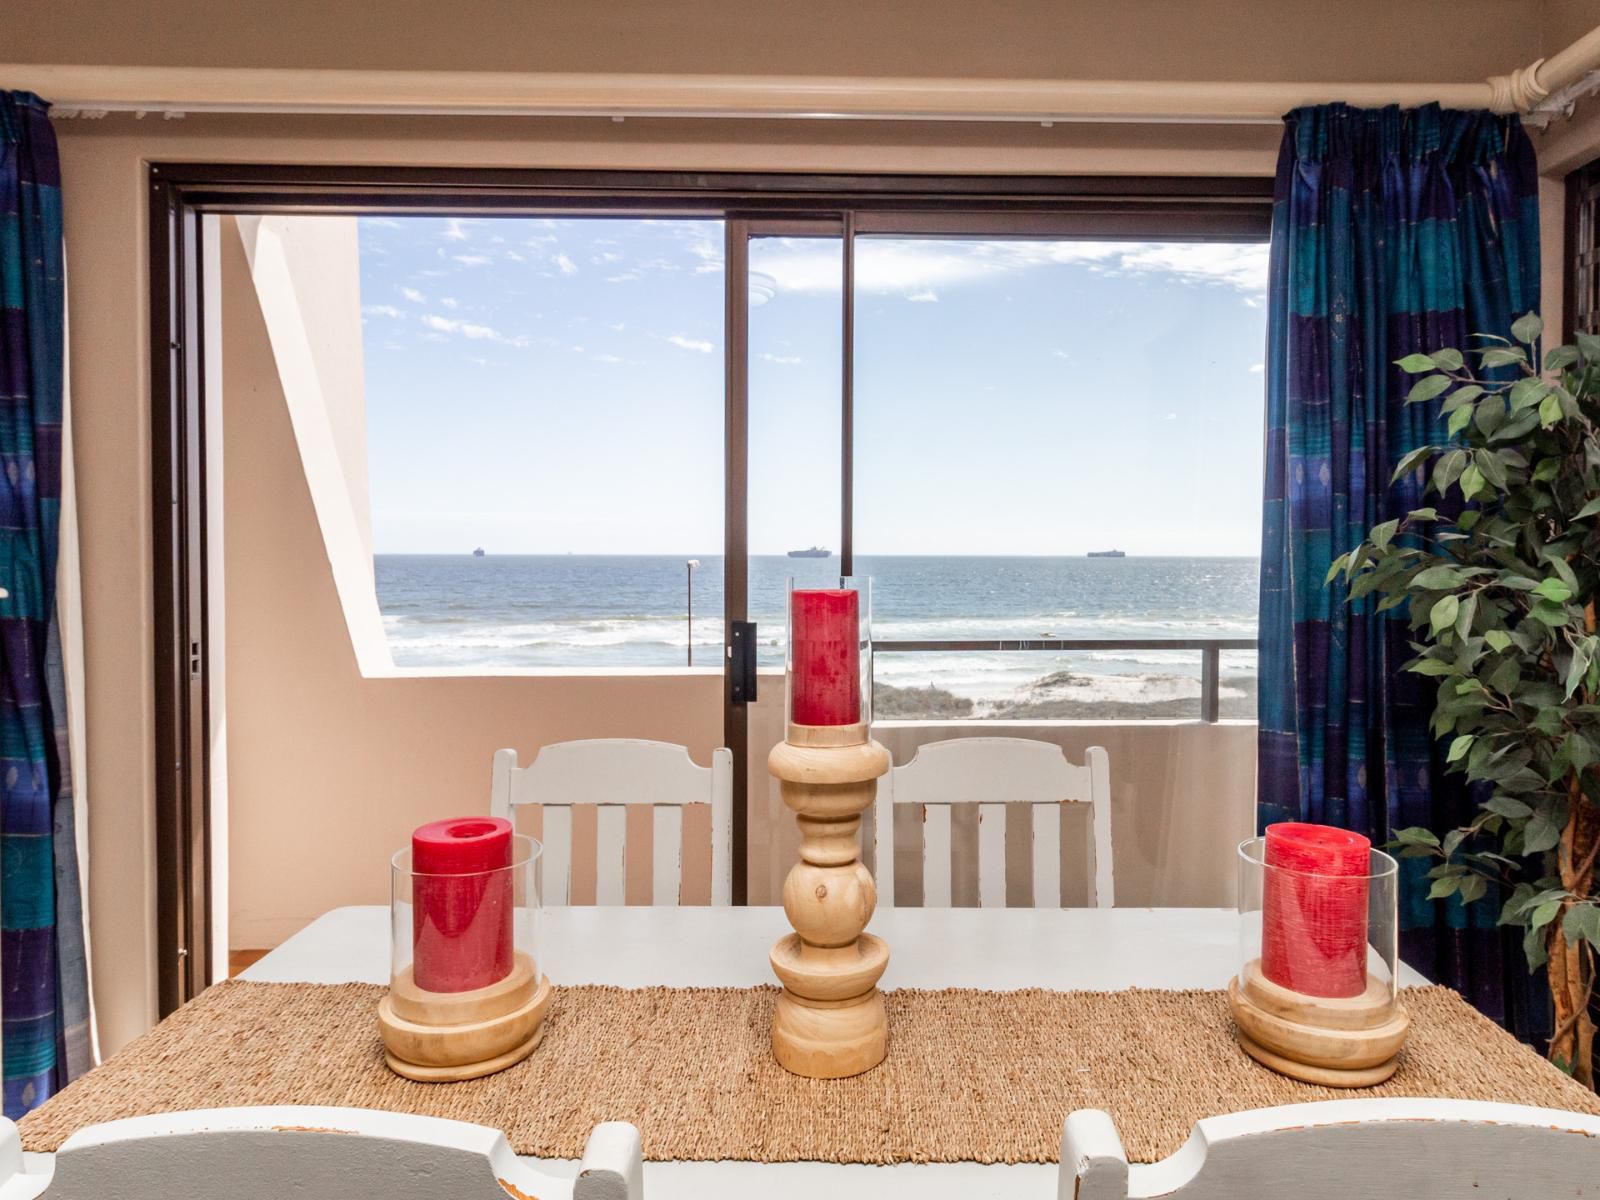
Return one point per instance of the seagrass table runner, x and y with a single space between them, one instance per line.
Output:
971 1076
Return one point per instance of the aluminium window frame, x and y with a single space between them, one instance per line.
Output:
1164 208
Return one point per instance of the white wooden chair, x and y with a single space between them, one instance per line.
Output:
612 773
270 1153
1339 1149
992 772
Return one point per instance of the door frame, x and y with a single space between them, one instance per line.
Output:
1169 208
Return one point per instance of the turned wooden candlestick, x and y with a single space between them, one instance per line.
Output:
441 1037
829 1021
1346 1042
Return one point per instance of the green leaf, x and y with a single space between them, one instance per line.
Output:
1427 388
1443 887
1411 462
1550 410
1588 510
1423 514
1416 835
1447 360
1526 392
1459 747
1490 467
1471 481
1501 356
1473 888
1498 639
1448 469
1415 364
1540 833
1444 613
1547 470
1509 807
1431 666
1527 328
1436 579
1544 914
1560 358
1589 346
1553 590
1383 534
1577 668
1459 420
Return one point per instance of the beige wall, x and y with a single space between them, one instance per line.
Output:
104 197
1357 40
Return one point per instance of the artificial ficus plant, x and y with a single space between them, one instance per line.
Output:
1500 581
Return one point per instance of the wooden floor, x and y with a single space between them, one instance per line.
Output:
238 960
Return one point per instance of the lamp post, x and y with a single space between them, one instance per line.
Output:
689 572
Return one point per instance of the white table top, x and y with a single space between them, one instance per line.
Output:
1000 949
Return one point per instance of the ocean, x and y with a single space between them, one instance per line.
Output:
580 611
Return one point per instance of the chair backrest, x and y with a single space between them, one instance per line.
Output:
1337 1149
269 1153
612 773
993 772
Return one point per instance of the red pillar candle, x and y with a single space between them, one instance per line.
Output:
825 684
461 903
1314 909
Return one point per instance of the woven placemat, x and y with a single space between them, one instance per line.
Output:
971 1076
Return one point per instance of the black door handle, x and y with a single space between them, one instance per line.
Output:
742 662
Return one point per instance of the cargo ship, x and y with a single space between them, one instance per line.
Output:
1107 554
814 552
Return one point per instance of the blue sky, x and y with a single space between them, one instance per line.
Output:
545 386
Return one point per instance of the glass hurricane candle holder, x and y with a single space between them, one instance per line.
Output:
1316 994
828 681
467 991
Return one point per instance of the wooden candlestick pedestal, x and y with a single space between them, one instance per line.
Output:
1345 1042
440 1037
829 1021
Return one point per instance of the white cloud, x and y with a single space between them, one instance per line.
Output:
1257 368
514 256
411 294
383 310
607 358
926 296
567 266
915 268
472 260
618 327
449 301
1172 416
786 360
468 329
687 343
455 229
623 278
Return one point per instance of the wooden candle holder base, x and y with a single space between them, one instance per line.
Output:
441 1037
829 1022
1349 1042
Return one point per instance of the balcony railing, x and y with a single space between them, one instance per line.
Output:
1210 654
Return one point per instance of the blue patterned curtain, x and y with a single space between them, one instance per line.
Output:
43 984
1392 232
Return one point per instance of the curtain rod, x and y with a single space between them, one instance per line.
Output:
1541 89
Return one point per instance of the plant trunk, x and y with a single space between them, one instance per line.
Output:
1571 969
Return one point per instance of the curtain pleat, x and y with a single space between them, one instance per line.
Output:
43 973
1394 231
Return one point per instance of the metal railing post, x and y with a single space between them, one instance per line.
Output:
1210 672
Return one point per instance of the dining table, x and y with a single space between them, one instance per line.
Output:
998 949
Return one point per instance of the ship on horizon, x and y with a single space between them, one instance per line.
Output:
478 553
814 552
1107 554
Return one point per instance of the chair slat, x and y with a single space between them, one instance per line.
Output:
557 856
1046 855
610 855
666 876
936 855
991 855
